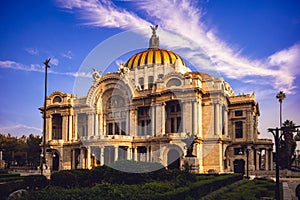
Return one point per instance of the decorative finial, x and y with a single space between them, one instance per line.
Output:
154 40
123 70
96 74
154 28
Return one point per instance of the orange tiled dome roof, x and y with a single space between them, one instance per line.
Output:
153 56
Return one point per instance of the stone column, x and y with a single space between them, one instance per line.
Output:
221 157
267 159
116 153
100 117
96 124
49 128
163 118
129 152
90 124
104 124
101 155
149 153
216 119
75 127
194 117
70 131
135 154
199 119
257 159
153 119
158 122
133 122
65 127
82 158
88 157
127 129
226 121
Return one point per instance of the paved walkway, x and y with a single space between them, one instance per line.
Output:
289 188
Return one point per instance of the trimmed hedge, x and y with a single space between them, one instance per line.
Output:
104 174
161 190
34 182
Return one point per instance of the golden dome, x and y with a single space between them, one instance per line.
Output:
153 56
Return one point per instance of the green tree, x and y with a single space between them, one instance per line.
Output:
20 151
33 149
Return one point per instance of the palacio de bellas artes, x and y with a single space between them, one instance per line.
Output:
156 109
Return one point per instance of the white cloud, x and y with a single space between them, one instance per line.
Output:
54 61
67 54
104 14
20 129
32 51
8 64
194 40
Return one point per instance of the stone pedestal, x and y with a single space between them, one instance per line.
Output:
191 164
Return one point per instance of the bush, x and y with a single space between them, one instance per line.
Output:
65 179
34 182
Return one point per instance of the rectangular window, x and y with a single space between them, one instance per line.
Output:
150 82
141 82
239 129
238 113
117 129
110 128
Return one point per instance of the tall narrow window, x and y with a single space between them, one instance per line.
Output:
141 82
56 127
110 128
150 82
173 118
117 129
239 129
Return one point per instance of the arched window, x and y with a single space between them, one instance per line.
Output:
57 99
174 82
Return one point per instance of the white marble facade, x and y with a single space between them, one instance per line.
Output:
143 112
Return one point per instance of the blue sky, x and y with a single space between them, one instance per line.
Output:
254 45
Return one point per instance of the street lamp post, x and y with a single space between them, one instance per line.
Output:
43 154
280 96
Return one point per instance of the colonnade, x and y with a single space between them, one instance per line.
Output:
93 156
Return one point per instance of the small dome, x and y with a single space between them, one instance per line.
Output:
153 56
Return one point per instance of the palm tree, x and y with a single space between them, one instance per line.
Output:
280 96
